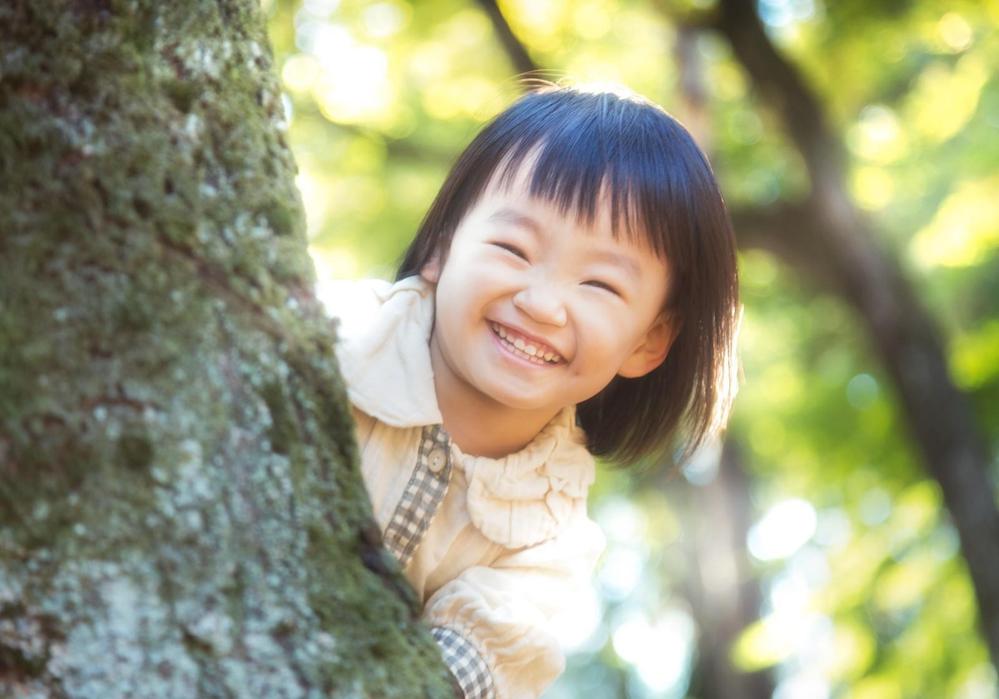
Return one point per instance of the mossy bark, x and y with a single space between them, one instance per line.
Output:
181 513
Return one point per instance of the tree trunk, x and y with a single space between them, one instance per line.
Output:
181 513
723 592
725 596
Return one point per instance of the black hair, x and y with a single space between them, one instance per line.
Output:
584 146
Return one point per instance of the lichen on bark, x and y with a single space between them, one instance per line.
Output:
181 512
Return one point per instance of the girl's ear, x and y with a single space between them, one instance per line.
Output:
652 350
431 271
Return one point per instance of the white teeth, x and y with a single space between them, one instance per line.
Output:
531 352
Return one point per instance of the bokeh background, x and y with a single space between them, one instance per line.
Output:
809 555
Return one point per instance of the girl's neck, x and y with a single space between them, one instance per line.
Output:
481 430
479 425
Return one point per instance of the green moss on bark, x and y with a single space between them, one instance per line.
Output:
180 509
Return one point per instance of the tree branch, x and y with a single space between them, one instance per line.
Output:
784 89
840 250
514 48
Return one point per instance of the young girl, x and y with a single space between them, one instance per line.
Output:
572 292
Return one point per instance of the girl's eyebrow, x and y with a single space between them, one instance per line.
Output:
518 218
615 258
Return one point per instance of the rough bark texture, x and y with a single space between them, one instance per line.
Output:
181 514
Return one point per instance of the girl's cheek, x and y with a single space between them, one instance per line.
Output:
496 274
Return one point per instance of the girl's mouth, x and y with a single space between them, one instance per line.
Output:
540 355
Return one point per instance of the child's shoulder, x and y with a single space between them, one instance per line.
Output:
342 297
355 303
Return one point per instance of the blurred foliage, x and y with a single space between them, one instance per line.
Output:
864 593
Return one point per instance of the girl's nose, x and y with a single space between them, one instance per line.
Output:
542 303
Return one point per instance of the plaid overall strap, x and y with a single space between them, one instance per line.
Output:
422 496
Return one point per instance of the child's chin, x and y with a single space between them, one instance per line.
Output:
520 401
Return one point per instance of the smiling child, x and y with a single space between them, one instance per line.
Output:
571 293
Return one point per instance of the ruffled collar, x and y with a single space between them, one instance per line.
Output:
517 500
526 497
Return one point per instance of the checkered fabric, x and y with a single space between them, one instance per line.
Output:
465 663
422 496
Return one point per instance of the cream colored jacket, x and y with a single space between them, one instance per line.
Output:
493 547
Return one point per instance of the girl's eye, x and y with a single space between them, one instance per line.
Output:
513 249
602 285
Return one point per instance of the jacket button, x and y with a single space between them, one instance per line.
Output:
437 460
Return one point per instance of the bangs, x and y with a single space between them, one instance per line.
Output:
587 150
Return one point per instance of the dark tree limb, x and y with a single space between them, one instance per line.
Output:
766 228
785 91
828 240
514 47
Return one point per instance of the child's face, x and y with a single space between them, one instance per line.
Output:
521 279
